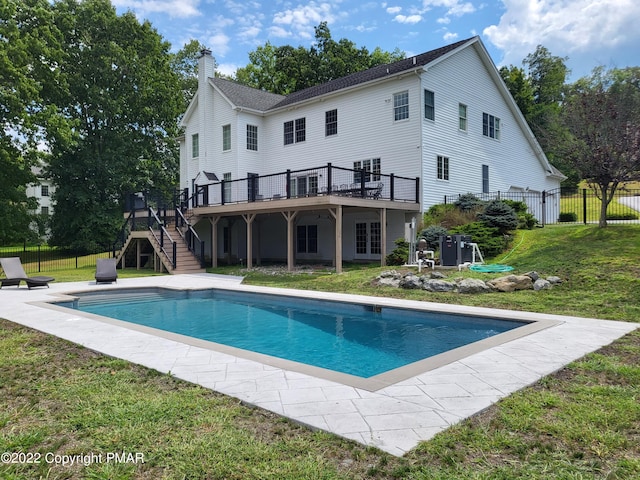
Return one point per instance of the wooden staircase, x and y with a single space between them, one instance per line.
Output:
143 246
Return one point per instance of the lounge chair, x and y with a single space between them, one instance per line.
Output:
15 274
106 270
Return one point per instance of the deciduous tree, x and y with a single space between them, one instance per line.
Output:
287 69
29 53
123 98
602 112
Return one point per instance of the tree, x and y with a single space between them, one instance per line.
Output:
520 87
28 56
185 64
287 69
539 90
121 97
602 113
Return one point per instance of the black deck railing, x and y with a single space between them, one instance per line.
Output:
189 236
326 180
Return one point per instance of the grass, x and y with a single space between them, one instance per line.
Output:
581 423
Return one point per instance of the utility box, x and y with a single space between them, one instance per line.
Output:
448 251
455 250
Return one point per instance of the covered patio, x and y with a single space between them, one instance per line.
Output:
335 206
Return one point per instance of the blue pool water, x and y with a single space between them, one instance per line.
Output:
360 340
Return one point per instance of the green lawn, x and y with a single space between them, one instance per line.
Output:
581 423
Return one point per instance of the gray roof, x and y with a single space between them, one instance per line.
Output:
247 97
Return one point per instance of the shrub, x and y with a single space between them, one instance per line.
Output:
568 217
526 221
400 254
436 213
622 216
468 203
432 235
489 239
499 215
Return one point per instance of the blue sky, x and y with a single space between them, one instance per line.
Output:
589 32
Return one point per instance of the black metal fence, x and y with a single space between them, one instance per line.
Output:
41 258
569 205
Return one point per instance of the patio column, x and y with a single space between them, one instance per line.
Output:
383 237
337 216
249 218
214 240
290 217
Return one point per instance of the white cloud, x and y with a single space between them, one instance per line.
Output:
450 37
219 43
408 19
304 15
173 8
574 28
394 10
454 7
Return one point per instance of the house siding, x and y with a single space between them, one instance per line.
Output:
511 160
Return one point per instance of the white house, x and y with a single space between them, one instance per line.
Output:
42 191
336 172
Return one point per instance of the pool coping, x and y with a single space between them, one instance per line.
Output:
394 418
373 383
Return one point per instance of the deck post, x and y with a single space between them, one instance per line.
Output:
290 217
337 216
214 241
383 237
249 218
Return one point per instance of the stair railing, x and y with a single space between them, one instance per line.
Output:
153 221
190 237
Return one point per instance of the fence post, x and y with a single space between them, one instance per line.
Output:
417 189
329 180
584 205
288 186
392 187
544 207
39 269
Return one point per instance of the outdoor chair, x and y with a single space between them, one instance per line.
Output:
106 270
15 274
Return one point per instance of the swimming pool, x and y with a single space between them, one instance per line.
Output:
362 340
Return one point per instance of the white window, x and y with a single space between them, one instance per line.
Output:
195 145
226 137
331 123
371 167
443 168
44 190
462 116
368 238
401 106
252 137
490 126
295 131
227 187
429 105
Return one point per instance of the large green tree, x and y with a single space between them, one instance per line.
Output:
123 97
539 88
29 53
287 69
602 112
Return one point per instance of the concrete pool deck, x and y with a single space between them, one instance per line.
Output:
393 418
